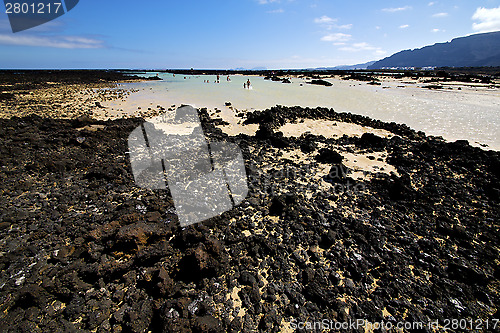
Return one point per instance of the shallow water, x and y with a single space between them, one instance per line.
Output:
472 113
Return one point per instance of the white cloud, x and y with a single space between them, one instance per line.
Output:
489 19
394 10
62 42
328 23
363 46
344 26
404 26
336 37
358 47
263 2
437 30
438 15
431 3
276 11
324 20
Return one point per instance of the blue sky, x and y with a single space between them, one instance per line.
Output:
239 33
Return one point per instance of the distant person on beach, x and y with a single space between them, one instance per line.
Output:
248 84
218 78
244 85
228 78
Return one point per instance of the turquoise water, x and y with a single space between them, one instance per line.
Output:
472 113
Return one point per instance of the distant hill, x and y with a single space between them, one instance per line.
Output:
471 51
347 67
249 69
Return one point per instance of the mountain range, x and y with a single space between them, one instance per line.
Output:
348 67
471 51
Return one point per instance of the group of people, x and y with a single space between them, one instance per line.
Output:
246 85
218 79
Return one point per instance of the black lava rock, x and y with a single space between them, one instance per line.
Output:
321 83
329 156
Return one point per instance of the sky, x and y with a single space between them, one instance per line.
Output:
217 34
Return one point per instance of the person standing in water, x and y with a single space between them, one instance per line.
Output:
218 78
248 84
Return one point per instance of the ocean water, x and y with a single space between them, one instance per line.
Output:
472 113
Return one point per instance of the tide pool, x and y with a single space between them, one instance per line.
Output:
472 113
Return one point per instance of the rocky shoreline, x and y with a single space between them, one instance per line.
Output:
64 94
83 249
